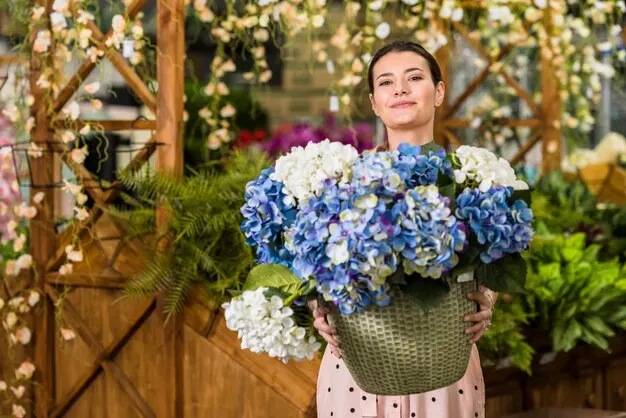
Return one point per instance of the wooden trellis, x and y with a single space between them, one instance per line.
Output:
545 115
49 251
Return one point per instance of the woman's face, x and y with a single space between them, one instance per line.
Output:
405 95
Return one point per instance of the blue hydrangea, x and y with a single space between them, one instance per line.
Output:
503 228
267 213
430 235
421 170
341 239
392 172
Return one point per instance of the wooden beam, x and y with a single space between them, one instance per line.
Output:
452 138
108 125
82 330
87 280
512 123
170 125
522 93
88 66
109 353
42 237
526 147
550 106
127 72
477 81
13 59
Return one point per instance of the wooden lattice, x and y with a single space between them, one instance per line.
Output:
49 251
545 115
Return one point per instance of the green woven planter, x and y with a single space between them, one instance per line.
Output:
400 350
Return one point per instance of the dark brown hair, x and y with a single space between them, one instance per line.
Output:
404 46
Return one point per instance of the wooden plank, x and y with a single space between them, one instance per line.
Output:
83 331
108 125
42 237
526 147
234 392
286 381
109 353
127 72
87 280
169 158
88 66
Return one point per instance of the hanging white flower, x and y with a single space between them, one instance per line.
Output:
92 88
383 30
376 5
25 371
72 110
18 410
34 298
118 24
42 41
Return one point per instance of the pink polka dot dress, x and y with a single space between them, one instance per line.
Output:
338 396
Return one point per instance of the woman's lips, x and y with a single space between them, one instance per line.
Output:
402 104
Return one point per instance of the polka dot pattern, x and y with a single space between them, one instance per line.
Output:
339 396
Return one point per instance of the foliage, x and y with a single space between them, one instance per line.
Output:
249 116
202 241
576 296
506 337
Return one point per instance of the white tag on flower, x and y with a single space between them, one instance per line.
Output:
128 48
334 104
465 277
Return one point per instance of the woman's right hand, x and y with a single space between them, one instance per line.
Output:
323 327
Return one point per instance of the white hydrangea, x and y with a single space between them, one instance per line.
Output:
485 168
266 326
304 170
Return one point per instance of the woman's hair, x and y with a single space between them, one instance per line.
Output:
404 46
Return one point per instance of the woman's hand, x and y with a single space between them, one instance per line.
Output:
486 299
323 327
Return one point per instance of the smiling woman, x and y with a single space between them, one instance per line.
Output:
406 87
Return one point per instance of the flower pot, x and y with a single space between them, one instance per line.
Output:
399 349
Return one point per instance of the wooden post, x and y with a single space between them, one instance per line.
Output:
443 59
170 78
550 104
42 236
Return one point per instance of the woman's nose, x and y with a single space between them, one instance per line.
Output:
401 89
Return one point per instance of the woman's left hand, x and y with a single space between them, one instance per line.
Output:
482 318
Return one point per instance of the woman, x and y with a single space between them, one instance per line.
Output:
406 87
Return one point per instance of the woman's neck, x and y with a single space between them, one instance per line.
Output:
412 137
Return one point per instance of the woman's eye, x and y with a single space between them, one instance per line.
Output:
385 83
415 78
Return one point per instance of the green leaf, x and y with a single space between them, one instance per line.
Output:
449 191
598 325
507 274
525 195
427 293
272 276
431 146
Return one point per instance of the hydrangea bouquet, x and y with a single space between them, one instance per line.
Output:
329 223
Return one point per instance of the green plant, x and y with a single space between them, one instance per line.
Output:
554 196
506 338
203 242
250 116
575 296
